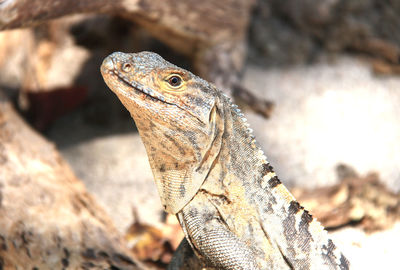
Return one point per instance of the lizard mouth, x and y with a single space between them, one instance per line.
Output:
145 92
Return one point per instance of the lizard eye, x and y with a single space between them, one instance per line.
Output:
126 67
175 81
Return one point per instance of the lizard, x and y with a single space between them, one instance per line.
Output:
212 174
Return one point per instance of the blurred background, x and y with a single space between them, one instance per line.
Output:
319 83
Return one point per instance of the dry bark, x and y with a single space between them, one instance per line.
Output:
47 218
359 201
202 31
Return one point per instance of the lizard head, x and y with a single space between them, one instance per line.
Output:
153 84
178 116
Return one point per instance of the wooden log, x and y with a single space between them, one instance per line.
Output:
47 218
212 33
26 13
210 22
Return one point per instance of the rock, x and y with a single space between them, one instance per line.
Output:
285 32
369 251
47 218
116 170
326 114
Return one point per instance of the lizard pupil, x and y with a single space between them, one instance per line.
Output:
175 81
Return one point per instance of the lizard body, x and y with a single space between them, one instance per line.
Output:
212 174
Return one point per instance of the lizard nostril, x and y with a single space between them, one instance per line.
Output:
126 67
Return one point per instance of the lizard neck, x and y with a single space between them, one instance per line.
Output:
246 159
241 159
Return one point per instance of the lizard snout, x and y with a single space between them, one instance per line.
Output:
108 64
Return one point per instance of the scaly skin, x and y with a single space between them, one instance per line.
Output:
211 173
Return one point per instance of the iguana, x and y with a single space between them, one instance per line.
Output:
211 173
